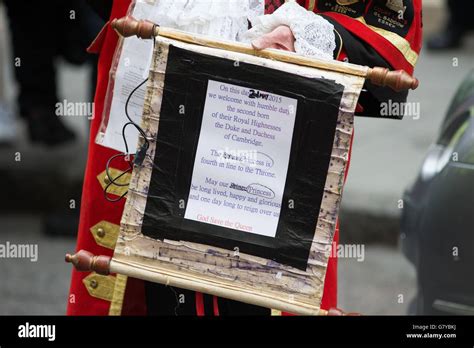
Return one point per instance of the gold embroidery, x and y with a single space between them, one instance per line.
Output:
105 234
347 2
100 286
399 42
114 189
118 295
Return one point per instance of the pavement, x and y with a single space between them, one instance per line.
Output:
33 288
386 158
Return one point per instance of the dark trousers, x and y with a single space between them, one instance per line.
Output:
165 301
40 32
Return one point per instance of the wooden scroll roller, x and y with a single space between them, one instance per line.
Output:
398 80
85 261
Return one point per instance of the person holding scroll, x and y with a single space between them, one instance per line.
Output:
383 33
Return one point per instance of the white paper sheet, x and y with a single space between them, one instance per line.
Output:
240 183
132 69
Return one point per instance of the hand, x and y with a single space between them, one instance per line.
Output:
281 38
336 312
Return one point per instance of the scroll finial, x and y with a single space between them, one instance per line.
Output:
85 261
398 80
129 26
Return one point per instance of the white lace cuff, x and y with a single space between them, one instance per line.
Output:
314 35
224 19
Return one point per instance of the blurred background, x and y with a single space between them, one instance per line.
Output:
42 160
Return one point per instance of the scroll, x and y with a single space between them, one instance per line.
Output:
239 191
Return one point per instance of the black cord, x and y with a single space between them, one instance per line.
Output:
139 155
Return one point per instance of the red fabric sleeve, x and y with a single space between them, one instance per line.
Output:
94 207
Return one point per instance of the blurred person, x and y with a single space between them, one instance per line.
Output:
40 33
459 25
7 125
357 41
